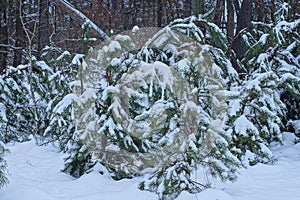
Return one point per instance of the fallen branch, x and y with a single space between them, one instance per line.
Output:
84 18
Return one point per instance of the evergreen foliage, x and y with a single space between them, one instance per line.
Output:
62 127
64 113
16 119
160 108
269 92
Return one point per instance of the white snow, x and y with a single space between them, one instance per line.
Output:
135 29
234 107
114 46
242 125
263 39
3 112
34 174
67 100
64 54
296 125
78 59
271 182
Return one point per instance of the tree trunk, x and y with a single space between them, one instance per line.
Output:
159 13
243 21
3 37
198 7
43 26
219 13
230 20
259 11
245 15
19 42
202 7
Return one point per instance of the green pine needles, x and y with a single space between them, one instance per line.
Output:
161 109
161 103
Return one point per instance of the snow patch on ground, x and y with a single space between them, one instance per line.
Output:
34 174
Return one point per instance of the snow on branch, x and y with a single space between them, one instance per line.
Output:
85 18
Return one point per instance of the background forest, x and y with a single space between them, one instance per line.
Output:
242 86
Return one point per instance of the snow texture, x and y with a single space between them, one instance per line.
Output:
34 172
242 126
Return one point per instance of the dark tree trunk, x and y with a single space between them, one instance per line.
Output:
202 7
219 13
19 42
245 15
198 7
159 13
295 9
243 21
43 26
230 20
187 8
3 37
273 9
259 11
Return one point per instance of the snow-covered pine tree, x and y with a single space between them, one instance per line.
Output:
269 93
62 128
16 113
92 97
58 111
16 119
214 42
16 106
162 108
68 108
210 82
55 57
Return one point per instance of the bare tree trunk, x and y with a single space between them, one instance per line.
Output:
273 10
202 7
198 7
243 21
43 26
20 38
30 38
230 20
187 8
219 13
259 10
3 37
245 15
159 13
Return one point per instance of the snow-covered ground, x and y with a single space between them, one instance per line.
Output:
34 174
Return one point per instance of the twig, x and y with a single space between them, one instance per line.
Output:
30 40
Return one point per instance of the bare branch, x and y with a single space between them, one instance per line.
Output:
30 40
85 18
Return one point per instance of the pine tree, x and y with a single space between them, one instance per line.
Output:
62 127
161 107
269 93
16 120
66 109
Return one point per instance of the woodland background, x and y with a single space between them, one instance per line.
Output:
59 26
249 51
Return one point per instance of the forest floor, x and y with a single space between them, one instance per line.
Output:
34 174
